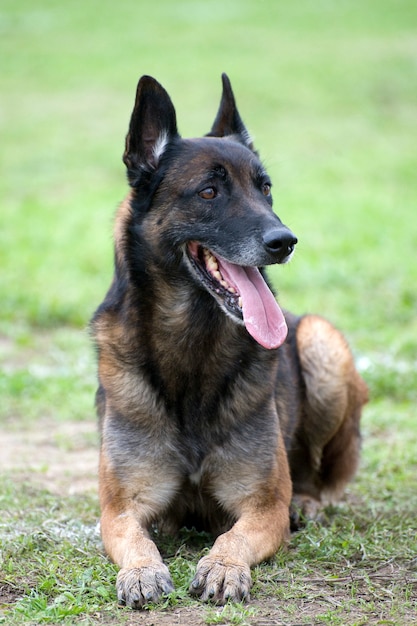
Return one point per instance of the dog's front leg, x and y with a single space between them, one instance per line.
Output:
262 526
126 509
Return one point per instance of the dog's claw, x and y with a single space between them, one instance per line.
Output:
139 586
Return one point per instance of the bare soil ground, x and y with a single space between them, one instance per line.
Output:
59 457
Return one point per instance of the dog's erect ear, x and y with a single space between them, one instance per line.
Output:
228 120
152 126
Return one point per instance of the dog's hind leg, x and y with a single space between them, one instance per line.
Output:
325 452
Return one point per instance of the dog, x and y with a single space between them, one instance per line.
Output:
217 410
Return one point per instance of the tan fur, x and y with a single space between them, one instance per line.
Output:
335 394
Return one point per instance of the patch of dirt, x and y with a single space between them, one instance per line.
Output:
175 617
8 594
62 458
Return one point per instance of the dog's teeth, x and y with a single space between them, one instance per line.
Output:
231 289
216 274
212 264
239 302
224 284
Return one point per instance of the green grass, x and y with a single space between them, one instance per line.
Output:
328 90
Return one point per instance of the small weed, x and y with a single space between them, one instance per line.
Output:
232 613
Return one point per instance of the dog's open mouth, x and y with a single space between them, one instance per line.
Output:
244 294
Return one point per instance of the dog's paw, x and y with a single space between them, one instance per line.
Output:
220 580
303 509
139 586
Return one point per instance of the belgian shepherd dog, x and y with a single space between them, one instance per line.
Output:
217 410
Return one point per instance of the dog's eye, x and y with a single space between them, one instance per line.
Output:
266 189
208 194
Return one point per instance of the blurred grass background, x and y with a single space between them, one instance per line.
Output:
329 91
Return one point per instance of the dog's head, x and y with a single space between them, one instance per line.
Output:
207 204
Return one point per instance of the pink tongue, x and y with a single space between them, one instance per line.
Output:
262 316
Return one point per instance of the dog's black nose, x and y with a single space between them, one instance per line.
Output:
280 242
